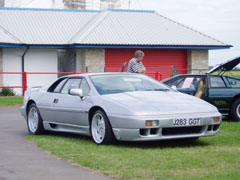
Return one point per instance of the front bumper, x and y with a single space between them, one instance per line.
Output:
165 130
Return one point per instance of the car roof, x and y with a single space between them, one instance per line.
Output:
102 73
180 75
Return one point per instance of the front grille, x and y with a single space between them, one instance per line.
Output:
147 132
181 130
213 127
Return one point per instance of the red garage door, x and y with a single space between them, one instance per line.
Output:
155 60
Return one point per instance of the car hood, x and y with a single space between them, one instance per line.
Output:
157 102
227 66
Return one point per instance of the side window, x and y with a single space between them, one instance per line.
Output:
185 83
234 82
59 86
84 86
188 83
196 83
71 84
178 83
217 81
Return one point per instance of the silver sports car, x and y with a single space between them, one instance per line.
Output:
118 106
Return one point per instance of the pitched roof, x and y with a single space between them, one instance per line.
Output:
85 27
7 38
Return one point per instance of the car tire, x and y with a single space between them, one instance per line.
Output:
34 120
101 129
235 110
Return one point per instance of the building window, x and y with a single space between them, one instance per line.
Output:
75 4
110 4
66 61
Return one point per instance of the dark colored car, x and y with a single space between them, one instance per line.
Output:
223 91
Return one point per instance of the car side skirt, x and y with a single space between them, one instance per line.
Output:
70 128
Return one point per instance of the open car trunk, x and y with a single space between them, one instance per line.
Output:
227 66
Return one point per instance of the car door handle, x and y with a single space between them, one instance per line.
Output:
55 101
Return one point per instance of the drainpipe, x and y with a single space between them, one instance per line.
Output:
23 69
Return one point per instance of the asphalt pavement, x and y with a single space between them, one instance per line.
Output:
23 160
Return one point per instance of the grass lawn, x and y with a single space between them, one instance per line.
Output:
11 100
210 158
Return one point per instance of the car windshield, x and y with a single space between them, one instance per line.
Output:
111 84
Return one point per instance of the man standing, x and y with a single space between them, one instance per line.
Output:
135 65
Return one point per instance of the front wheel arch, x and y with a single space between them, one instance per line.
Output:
101 129
92 111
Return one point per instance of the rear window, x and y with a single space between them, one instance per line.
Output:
217 82
234 82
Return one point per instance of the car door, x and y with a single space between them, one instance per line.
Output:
69 109
219 93
45 104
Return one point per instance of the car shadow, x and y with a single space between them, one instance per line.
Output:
228 119
165 143
143 144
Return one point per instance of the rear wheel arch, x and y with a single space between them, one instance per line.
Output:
29 104
34 120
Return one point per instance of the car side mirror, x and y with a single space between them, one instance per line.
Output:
76 92
174 87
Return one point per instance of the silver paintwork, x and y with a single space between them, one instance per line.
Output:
127 112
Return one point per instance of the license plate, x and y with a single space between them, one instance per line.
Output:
186 122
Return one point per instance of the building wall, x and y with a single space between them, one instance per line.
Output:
1 66
80 60
45 60
36 60
196 60
93 59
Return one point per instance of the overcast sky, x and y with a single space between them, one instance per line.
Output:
219 19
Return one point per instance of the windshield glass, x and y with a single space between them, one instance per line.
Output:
110 84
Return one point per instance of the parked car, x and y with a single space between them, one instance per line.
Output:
223 91
122 106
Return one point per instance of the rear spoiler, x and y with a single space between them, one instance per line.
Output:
33 88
